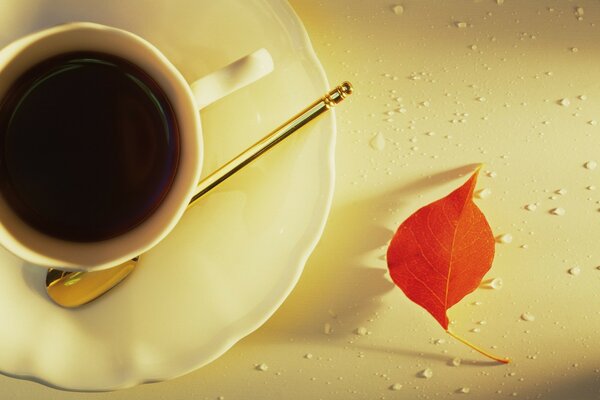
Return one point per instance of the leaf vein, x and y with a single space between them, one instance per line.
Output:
426 286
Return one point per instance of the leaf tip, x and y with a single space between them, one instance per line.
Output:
477 170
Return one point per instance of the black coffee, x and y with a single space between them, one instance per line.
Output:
89 146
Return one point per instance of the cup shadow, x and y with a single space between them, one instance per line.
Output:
35 279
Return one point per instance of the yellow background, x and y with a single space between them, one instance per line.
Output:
489 92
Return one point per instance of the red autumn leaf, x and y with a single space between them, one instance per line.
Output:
442 251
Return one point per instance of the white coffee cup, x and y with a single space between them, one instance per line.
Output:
41 249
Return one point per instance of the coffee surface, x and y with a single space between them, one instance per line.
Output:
89 146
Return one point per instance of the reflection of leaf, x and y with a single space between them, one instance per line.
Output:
441 253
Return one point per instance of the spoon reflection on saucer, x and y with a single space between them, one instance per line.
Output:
72 289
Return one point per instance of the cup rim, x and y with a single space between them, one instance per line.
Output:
39 248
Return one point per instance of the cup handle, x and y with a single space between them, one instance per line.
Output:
232 77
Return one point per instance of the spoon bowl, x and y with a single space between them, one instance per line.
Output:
72 289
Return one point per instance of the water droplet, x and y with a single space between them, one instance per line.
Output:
481 99
593 122
426 373
531 207
499 2
591 187
456 362
527 317
574 49
574 271
262 367
464 390
564 102
483 193
561 191
308 356
398 9
494 283
378 142
461 24
590 164
327 329
396 386
505 238
361 331
558 211
475 330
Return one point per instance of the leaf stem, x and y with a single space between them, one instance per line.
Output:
478 349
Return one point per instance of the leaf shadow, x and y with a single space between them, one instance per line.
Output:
345 278
437 179
339 286
445 358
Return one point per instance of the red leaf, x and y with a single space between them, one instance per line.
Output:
442 251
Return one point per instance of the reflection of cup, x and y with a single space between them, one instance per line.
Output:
35 246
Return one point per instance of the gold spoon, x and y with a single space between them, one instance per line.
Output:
72 289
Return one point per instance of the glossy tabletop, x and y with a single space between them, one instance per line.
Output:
439 88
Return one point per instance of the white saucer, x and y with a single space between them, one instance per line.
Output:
235 257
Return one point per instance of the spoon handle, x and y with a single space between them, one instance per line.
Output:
311 112
73 289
